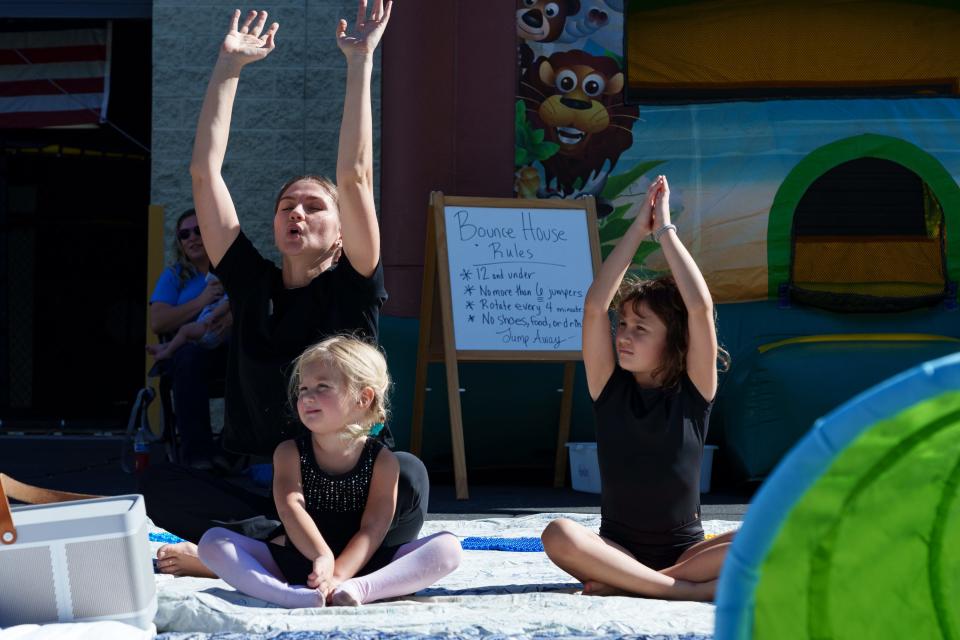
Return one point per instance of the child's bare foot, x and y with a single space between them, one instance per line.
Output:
159 351
181 559
594 588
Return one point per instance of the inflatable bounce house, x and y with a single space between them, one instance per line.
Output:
854 534
813 152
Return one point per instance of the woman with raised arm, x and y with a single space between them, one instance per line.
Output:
652 388
330 282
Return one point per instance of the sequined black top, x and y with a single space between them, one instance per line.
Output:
336 502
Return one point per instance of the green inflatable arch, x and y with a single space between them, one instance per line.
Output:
821 160
855 534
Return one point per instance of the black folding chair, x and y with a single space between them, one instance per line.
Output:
169 433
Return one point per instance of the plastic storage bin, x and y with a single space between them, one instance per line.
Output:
585 470
77 561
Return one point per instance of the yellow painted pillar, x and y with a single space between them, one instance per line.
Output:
155 260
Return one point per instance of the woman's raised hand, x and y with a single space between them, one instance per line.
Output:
245 44
368 31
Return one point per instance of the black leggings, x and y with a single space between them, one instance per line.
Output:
187 502
190 370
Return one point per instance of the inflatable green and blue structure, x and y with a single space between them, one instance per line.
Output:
856 532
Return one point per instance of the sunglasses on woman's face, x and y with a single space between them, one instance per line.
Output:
184 233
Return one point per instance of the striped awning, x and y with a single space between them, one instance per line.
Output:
54 78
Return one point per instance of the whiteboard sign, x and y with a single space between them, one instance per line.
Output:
518 277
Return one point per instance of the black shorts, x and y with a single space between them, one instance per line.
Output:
657 551
295 566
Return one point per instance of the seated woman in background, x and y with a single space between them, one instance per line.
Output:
182 292
207 330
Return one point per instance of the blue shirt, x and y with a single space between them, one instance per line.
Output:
170 291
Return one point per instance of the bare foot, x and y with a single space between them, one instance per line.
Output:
594 588
159 351
181 559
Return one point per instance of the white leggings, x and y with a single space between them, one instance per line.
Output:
246 565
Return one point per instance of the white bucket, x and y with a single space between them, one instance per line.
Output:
585 470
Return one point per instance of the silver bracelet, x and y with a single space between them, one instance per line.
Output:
662 230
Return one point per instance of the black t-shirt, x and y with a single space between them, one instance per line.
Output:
649 446
272 325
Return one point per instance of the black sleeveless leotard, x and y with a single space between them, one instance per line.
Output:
649 446
336 504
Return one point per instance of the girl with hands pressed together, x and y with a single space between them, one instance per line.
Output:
336 491
652 387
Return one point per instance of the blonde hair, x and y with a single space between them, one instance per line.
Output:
361 364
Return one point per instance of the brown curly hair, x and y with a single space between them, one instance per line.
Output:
663 298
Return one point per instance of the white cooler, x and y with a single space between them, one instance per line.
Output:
585 467
76 562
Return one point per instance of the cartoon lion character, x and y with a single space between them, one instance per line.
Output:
577 99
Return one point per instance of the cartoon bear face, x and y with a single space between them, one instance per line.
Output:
543 20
